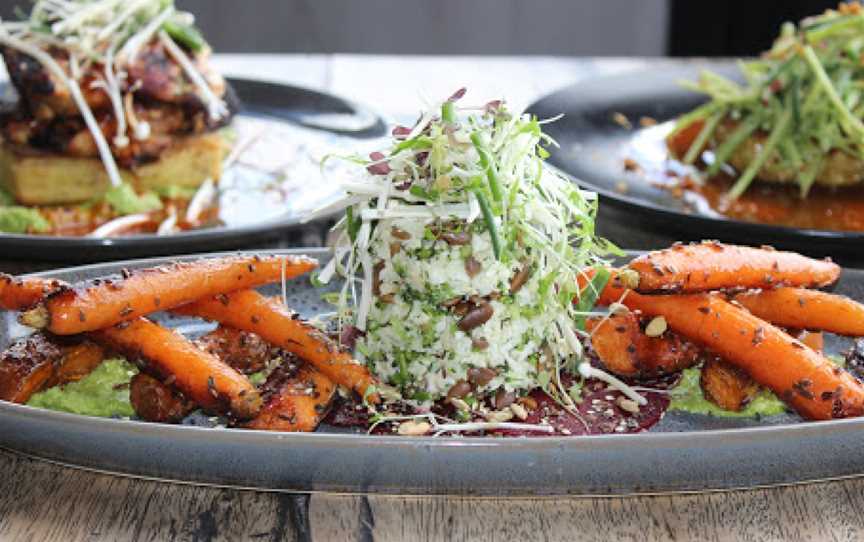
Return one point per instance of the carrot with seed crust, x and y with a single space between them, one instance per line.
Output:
250 311
297 404
806 309
709 265
19 293
200 376
104 303
800 376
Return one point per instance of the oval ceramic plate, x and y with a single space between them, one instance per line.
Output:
683 453
594 147
286 131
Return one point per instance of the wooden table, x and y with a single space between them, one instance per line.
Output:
40 501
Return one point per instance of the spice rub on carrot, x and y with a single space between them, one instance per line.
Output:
199 375
19 293
801 377
709 265
103 303
806 309
268 318
295 402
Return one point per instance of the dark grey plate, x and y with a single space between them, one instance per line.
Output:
312 117
593 149
683 453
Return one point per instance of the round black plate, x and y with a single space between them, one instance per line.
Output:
315 113
594 146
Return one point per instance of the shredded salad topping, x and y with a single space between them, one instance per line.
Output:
806 95
103 37
461 251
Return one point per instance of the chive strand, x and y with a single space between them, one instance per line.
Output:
489 218
725 149
696 147
749 174
488 166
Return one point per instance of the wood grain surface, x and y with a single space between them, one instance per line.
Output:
45 502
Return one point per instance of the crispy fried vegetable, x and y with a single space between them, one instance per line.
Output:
77 361
800 376
251 311
103 303
626 350
242 350
298 403
22 293
710 265
806 309
27 367
153 401
726 385
199 375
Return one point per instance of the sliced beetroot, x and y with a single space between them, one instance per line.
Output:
348 337
379 168
347 413
600 410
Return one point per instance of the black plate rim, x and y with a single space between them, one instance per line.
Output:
623 201
39 247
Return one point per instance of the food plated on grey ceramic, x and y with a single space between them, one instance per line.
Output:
466 300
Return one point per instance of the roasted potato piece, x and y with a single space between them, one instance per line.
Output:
244 351
28 367
153 401
726 386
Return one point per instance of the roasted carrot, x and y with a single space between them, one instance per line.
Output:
813 339
706 266
806 309
800 376
680 141
625 349
103 303
19 293
153 401
200 376
27 367
251 311
726 385
298 403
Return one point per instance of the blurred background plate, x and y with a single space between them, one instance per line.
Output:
595 143
274 184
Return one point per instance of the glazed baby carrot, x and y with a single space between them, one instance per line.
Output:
19 293
625 349
200 376
103 303
800 376
251 311
806 309
298 403
710 265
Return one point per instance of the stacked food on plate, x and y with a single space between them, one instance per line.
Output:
796 119
472 297
116 126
